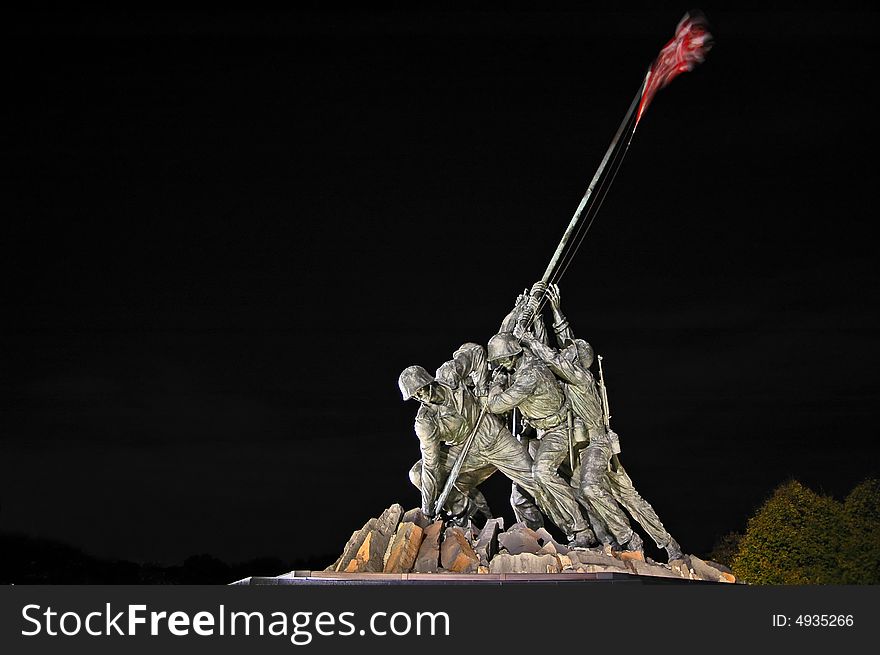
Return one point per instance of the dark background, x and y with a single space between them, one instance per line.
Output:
226 234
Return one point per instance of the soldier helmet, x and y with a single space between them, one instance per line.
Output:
412 379
584 350
503 345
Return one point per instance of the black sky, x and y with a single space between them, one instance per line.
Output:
226 234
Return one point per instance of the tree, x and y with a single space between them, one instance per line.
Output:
801 537
726 548
794 538
860 552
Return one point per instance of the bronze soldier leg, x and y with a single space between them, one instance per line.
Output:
595 491
599 528
468 480
555 497
640 509
525 508
460 505
513 460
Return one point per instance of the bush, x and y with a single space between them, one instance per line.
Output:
860 554
801 537
726 548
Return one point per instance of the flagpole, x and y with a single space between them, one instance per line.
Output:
582 206
687 48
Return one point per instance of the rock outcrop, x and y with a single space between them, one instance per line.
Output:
456 553
403 548
428 559
398 542
365 550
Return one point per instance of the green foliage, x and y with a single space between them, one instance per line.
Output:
801 537
726 548
861 550
793 539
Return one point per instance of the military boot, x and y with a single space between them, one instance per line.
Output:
583 539
673 551
633 549
635 543
482 507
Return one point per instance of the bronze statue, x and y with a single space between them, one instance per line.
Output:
463 440
452 409
600 477
523 381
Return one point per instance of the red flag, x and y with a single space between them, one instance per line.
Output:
686 49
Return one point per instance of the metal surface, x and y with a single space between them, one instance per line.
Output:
456 468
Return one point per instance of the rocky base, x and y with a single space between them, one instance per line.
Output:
399 542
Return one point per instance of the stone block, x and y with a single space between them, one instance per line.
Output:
456 552
595 557
403 548
487 541
703 571
365 551
519 539
681 567
548 549
415 515
522 527
726 573
545 539
524 563
631 555
640 567
428 559
716 565
361 560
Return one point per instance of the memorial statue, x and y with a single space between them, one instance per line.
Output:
563 463
600 477
523 381
459 424
452 410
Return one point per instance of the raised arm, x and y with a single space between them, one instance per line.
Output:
509 322
562 367
560 324
502 401
469 361
564 333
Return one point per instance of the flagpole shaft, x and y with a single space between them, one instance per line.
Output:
589 194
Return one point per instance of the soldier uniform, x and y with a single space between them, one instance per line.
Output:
602 481
446 418
537 394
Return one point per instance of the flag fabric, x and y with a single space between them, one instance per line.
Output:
686 49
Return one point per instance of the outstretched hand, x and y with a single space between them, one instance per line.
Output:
539 288
554 296
522 329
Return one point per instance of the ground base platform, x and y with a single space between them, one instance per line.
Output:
325 578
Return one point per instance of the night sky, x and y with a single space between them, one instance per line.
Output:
226 234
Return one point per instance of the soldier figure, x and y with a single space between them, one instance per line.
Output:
450 411
601 479
524 381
